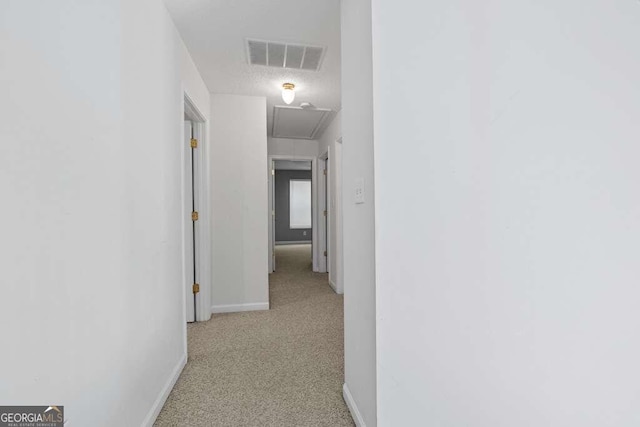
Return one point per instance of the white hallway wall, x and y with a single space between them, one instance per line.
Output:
292 147
358 230
507 216
329 141
91 300
239 200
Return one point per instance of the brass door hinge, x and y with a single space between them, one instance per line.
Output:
325 171
194 216
325 253
196 288
325 213
194 143
273 172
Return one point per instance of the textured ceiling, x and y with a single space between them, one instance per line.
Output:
215 32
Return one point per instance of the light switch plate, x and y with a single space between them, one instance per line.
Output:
359 191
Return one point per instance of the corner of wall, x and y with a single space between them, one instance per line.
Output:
353 408
153 413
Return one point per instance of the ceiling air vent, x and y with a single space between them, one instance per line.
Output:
284 55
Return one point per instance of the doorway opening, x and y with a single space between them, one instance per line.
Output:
292 206
281 230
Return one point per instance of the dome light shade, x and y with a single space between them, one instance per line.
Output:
288 93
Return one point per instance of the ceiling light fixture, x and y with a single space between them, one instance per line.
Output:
288 93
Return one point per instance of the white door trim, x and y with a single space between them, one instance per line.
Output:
324 194
203 238
315 212
336 217
187 253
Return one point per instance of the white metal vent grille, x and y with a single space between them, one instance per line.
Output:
284 55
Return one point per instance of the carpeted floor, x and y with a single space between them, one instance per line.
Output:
282 367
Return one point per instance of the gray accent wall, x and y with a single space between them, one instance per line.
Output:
283 232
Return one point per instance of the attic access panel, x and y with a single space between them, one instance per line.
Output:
299 123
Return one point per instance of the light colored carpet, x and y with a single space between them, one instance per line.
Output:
282 367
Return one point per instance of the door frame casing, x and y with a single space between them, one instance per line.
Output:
203 239
315 237
187 226
336 190
324 195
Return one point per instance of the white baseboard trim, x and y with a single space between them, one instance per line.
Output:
351 404
234 308
164 393
335 287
